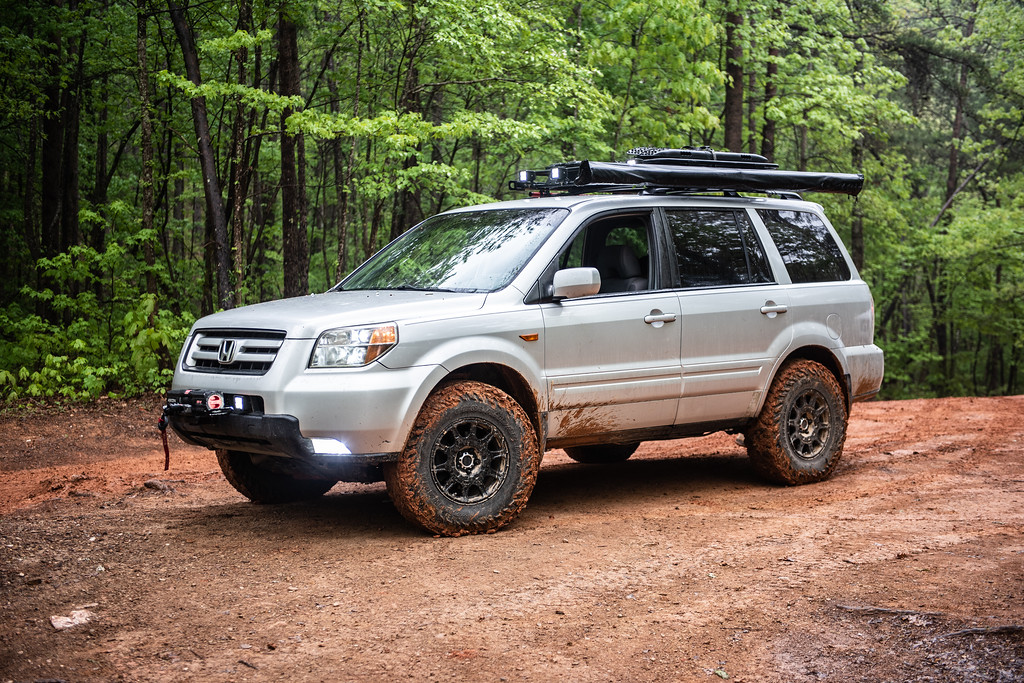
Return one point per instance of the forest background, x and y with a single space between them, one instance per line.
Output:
162 160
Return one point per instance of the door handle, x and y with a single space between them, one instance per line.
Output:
770 308
659 318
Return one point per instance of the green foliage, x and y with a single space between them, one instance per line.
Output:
124 347
654 61
409 108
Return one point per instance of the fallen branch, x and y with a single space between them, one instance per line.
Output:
991 630
886 610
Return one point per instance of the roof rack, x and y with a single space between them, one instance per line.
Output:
698 156
684 170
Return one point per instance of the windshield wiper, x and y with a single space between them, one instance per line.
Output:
414 288
402 288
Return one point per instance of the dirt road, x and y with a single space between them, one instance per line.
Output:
679 564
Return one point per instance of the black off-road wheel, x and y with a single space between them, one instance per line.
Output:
470 464
798 437
604 454
264 485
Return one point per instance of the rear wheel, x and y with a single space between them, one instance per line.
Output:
265 485
602 455
470 463
798 437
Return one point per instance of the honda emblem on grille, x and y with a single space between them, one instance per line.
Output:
226 354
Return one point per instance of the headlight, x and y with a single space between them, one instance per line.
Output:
350 347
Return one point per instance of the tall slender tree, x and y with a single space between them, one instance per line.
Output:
215 216
295 246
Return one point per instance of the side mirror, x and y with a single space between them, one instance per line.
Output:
573 283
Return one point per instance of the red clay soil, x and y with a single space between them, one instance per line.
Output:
678 565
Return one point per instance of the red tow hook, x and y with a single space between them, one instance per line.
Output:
162 426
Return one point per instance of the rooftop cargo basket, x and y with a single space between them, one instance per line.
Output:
688 170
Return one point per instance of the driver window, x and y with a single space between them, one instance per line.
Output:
573 256
618 247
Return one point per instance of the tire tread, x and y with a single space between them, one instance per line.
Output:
764 438
409 492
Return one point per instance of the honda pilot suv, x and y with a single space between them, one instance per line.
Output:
618 303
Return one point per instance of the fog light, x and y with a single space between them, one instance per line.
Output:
329 447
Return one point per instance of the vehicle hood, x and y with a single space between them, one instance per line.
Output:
307 316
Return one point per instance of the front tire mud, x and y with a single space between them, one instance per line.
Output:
470 463
798 437
262 485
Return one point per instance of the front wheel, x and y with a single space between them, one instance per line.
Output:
470 463
265 485
798 437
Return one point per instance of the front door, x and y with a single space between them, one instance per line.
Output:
612 359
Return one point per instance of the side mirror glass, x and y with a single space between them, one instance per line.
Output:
573 283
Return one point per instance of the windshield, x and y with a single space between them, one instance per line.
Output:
477 251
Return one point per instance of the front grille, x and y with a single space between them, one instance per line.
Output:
234 352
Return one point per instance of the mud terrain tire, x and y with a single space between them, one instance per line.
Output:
798 437
470 463
604 454
262 485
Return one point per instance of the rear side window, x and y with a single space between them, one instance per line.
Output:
717 248
806 245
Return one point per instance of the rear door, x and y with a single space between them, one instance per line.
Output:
733 313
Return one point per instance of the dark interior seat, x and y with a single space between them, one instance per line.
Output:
620 269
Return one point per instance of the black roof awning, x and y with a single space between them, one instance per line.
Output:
705 178
674 175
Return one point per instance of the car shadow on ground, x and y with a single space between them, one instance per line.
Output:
633 481
362 511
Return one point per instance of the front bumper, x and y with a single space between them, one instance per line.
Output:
235 422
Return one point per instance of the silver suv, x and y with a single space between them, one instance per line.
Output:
448 363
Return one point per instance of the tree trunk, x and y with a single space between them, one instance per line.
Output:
31 229
994 364
69 234
751 113
146 181
953 172
98 196
801 145
734 84
940 327
406 212
344 181
295 248
216 218
770 91
341 195
240 170
54 124
857 224
178 210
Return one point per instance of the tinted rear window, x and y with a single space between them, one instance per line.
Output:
717 248
806 245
